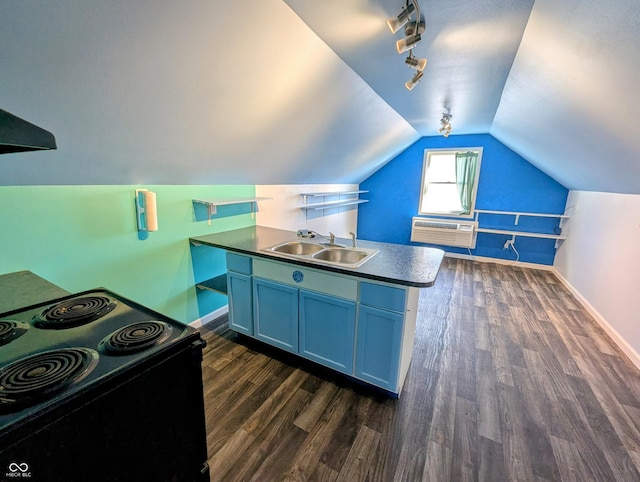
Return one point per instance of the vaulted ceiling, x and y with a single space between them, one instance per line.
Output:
275 92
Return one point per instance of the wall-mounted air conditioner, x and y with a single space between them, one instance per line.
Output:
443 232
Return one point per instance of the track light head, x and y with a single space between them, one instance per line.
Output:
414 63
410 84
413 28
396 23
407 43
412 32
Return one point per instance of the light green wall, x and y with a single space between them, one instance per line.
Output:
84 237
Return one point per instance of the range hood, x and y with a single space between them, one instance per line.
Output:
18 135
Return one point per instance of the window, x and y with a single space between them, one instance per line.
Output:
449 181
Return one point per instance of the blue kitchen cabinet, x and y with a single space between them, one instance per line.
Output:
327 330
240 302
379 342
364 329
378 346
276 314
240 292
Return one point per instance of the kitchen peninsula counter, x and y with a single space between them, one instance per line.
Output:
415 266
359 321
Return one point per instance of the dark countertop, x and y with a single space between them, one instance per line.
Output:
395 263
24 288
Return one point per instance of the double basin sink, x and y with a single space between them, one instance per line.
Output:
323 253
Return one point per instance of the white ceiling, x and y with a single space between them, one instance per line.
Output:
470 47
268 92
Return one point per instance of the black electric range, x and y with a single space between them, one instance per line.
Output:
94 386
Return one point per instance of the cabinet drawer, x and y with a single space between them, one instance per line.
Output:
238 263
382 296
307 278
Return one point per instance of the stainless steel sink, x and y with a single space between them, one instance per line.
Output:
297 247
323 254
341 255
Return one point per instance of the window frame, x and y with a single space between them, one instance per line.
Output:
425 164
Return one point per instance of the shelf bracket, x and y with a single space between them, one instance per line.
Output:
211 211
562 223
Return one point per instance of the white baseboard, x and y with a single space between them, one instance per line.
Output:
611 331
484 259
210 317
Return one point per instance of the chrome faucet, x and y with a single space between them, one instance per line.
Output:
307 233
353 239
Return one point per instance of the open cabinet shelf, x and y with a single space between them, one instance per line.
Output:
217 284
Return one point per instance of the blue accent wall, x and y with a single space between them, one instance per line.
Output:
507 182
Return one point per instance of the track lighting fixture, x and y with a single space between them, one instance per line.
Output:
413 31
395 23
410 84
446 126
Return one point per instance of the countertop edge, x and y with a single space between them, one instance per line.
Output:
323 267
355 272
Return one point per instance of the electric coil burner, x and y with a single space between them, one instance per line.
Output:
37 377
83 384
136 337
74 312
10 330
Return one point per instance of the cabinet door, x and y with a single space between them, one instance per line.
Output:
327 330
276 314
378 343
240 302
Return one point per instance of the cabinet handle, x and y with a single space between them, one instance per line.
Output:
297 276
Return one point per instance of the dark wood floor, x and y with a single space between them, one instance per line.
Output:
511 379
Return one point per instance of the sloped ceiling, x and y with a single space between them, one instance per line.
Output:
571 102
268 92
189 92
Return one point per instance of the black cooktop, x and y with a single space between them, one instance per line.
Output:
55 350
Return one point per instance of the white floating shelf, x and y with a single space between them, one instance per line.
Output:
227 201
518 214
334 193
213 203
320 206
332 204
521 233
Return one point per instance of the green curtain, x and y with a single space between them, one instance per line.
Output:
466 165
